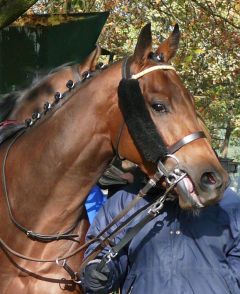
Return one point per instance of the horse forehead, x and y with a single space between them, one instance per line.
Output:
164 81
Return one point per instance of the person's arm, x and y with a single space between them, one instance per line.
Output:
233 255
111 275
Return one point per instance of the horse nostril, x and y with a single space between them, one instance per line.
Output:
211 180
208 179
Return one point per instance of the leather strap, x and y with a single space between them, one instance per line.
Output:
126 239
185 140
126 68
67 235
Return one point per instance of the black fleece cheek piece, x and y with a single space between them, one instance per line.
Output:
138 120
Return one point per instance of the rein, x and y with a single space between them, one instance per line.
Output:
32 235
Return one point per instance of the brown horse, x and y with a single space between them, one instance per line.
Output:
49 168
20 105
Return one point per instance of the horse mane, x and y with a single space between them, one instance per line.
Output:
59 98
39 85
60 67
7 103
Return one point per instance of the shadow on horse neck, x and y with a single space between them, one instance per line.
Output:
52 165
20 105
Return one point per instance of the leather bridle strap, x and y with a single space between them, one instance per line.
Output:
116 145
150 69
125 75
185 140
126 68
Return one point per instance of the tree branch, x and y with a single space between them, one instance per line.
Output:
210 11
11 10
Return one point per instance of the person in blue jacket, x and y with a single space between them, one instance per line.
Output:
175 253
95 200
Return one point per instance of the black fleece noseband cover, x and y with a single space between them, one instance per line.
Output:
139 122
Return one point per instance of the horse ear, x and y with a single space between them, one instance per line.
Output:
144 45
92 59
168 48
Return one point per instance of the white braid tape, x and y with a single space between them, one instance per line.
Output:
150 69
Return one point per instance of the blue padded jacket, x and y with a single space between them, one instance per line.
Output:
177 252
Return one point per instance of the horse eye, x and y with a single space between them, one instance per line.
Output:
159 107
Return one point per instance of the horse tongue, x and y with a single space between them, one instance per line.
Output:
186 190
188 184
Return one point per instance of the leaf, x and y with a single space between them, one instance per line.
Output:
199 51
188 58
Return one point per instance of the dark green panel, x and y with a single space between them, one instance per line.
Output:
73 41
18 59
26 51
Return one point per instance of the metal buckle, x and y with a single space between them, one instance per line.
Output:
157 206
76 279
110 255
171 176
60 262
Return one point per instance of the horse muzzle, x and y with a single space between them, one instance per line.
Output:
194 189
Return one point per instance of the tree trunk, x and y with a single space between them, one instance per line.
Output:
224 149
10 10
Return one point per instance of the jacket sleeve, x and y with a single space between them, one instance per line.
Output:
106 214
233 255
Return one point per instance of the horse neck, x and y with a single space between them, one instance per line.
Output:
63 156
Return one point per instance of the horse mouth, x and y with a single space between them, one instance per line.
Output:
187 191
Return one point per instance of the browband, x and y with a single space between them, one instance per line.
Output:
150 69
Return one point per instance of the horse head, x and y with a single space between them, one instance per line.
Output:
163 124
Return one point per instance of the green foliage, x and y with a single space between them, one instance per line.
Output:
208 57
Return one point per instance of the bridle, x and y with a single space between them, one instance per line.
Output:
153 209
126 74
